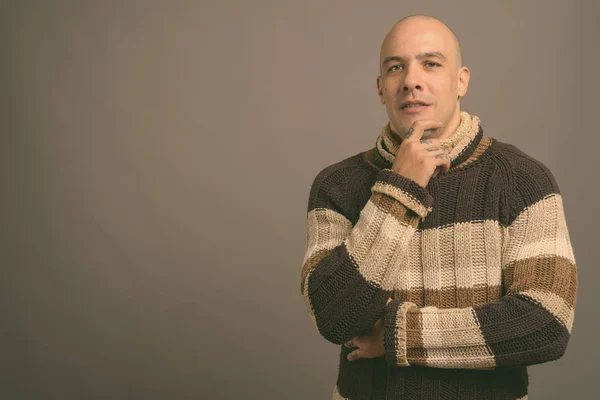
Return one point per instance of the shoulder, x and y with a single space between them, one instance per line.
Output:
530 179
334 178
526 170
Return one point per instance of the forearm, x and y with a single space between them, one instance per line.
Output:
513 331
349 271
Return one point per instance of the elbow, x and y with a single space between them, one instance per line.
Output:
333 333
328 328
554 350
551 347
555 346
334 337
551 352
340 328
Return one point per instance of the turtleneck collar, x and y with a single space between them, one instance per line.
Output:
460 145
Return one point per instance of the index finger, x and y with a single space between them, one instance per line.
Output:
418 128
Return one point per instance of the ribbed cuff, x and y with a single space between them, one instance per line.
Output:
394 339
405 190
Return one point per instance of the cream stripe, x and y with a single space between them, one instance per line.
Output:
467 357
495 239
325 236
374 242
555 304
458 147
463 260
450 327
433 247
453 339
431 257
415 270
539 230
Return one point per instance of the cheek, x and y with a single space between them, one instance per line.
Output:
390 91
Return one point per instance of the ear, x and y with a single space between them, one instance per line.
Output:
463 80
380 89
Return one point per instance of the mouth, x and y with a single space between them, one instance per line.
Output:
413 108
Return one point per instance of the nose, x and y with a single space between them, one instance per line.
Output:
412 80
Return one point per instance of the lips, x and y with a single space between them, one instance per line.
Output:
413 104
414 109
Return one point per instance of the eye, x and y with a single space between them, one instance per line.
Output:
431 63
394 66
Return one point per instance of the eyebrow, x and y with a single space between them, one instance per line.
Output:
420 56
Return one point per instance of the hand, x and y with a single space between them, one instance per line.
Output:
369 346
420 159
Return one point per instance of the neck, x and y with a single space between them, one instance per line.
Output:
459 143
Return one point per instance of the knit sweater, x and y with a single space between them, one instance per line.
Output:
478 264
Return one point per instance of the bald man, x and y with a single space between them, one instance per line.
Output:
439 260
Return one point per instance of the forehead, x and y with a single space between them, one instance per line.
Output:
409 41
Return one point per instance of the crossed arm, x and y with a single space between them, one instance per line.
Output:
347 278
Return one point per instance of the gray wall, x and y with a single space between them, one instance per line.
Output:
156 162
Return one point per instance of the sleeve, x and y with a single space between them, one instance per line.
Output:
346 277
530 324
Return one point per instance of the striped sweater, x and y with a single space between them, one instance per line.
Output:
479 266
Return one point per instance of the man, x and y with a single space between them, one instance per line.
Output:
441 264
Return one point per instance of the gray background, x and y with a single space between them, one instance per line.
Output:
156 162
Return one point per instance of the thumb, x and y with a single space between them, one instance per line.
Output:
355 355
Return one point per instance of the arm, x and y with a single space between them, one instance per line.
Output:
530 324
347 272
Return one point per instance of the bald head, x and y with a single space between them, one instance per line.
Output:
414 24
420 60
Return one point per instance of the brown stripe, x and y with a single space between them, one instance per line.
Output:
551 274
393 207
404 197
414 295
480 293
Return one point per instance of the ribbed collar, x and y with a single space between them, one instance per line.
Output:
459 145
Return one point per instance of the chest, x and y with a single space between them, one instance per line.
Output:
452 266
454 258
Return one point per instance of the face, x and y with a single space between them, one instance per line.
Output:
419 61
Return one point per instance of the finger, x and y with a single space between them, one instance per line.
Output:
442 160
415 133
350 343
447 165
388 300
432 142
355 355
432 148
